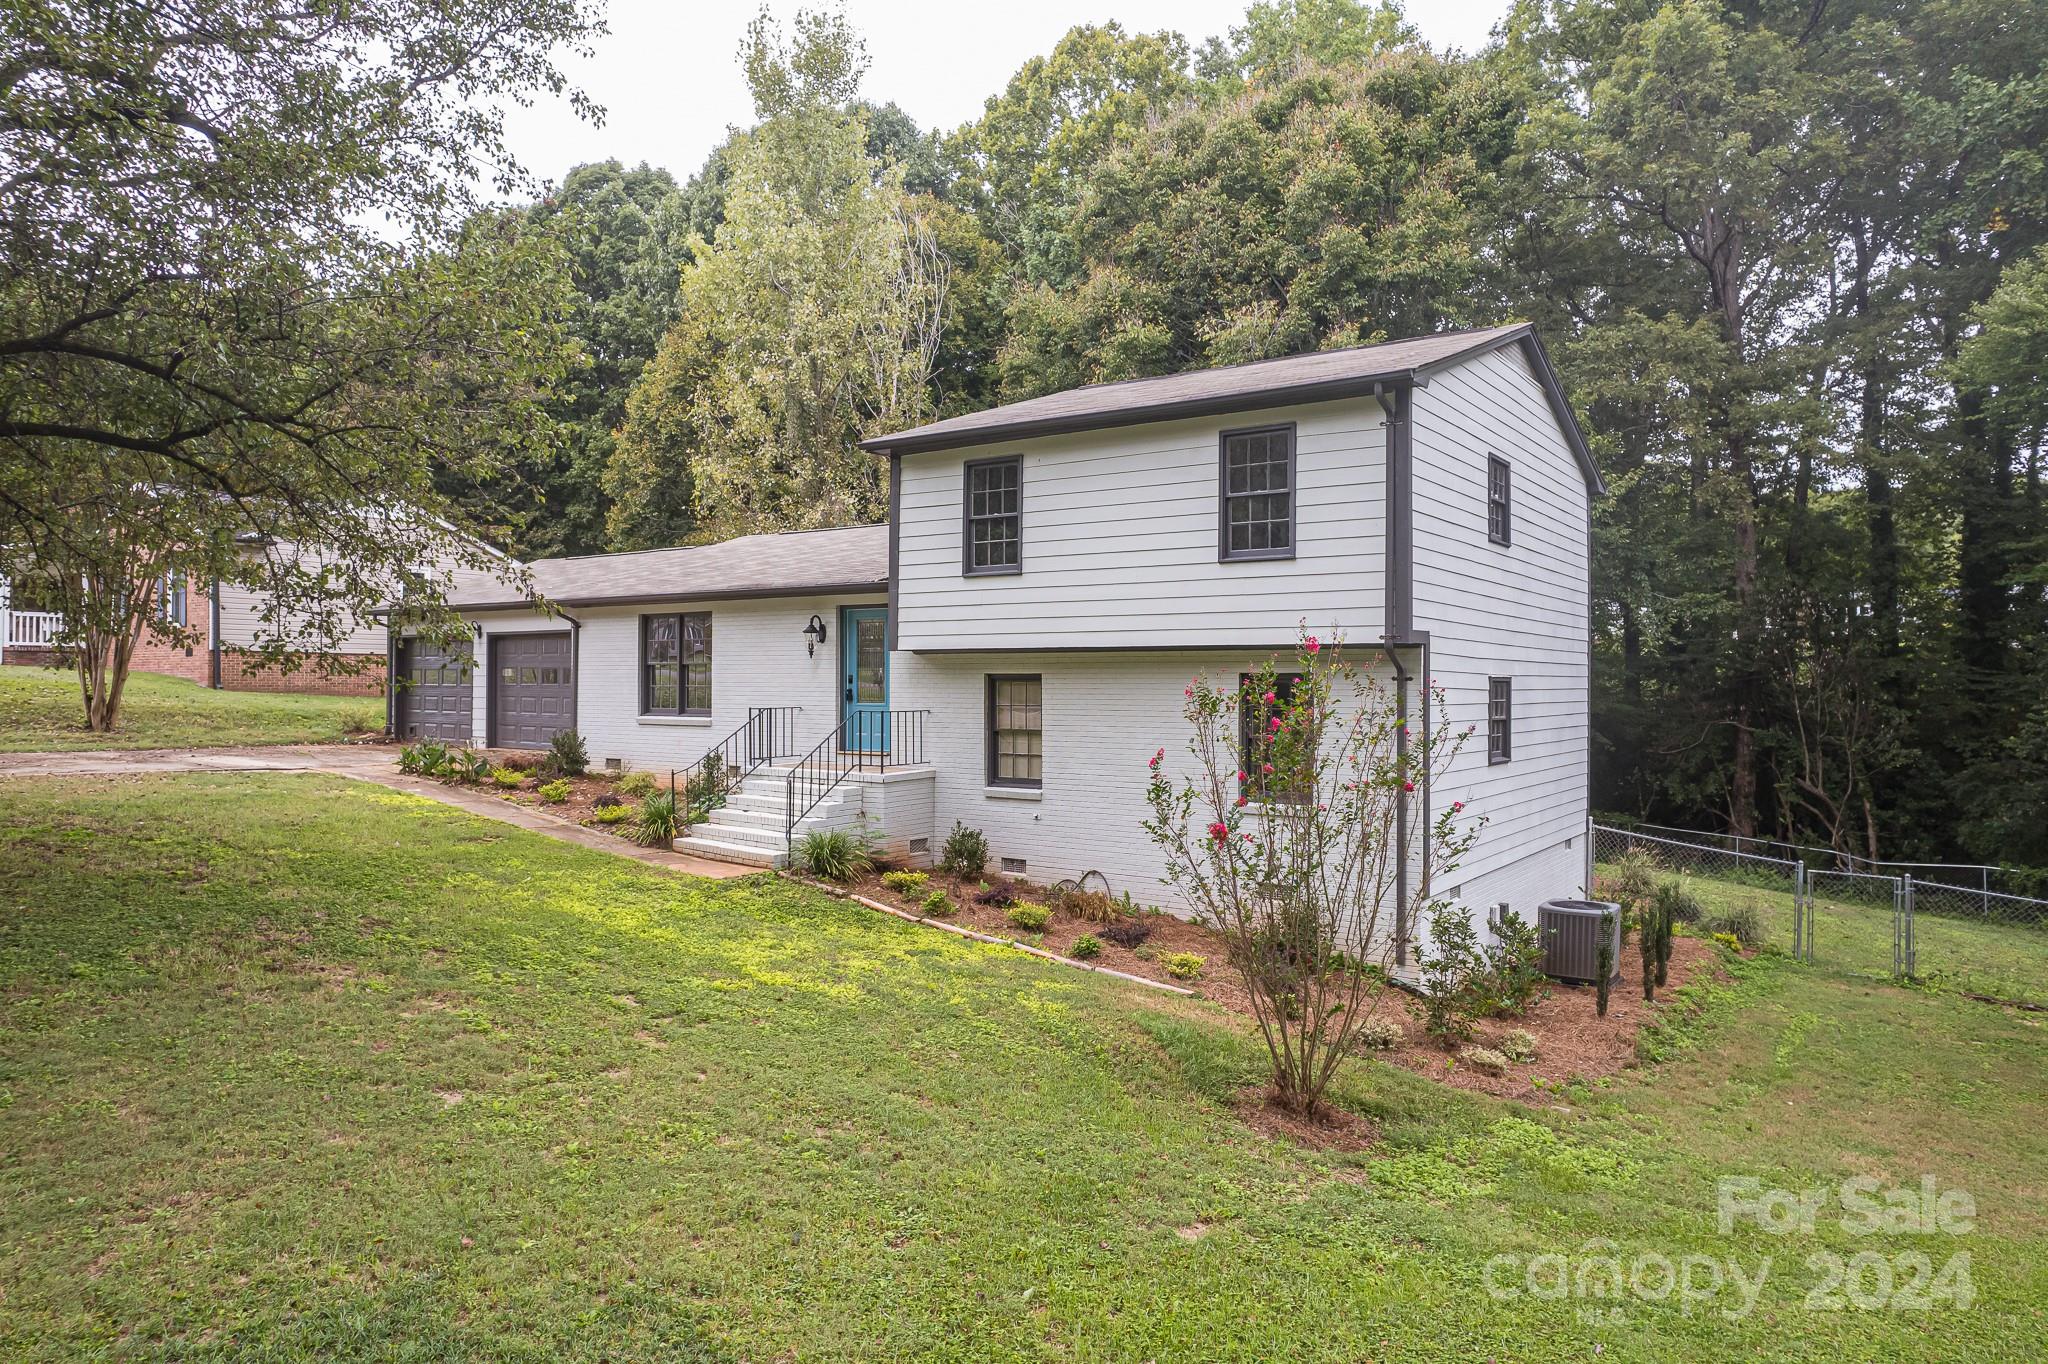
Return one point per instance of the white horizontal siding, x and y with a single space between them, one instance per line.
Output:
757 660
1119 541
1518 611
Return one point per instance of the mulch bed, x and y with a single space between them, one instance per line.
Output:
579 808
1572 1040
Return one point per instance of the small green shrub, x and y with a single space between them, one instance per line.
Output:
1032 918
1087 947
469 765
361 720
998 893
1743 924
511 778
606 800
937 905
1519 1046
832 854
906 882
567 755
965 852
556 791
1485 1060
1508 975
616 813
1685 906
638 785
657 826
409 758
1728 940
1450 966
1378 1034
1184 965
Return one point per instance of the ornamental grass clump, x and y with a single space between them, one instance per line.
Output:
1302 890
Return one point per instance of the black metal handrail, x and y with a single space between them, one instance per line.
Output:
866 741
769 733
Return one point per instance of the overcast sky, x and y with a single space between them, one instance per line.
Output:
670 83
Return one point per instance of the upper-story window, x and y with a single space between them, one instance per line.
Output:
1499 518
994 522
1258 494
1500 719
675 659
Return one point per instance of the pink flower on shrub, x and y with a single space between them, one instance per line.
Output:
1241 800
1240 778
1276 722
1456 806
1269 768
1313 646
1219 832
1269 698
1156 757
1407 786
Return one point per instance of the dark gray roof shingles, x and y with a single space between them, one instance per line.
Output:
1133 400
790 562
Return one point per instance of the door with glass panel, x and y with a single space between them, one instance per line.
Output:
864 678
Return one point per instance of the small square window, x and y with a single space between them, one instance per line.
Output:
1499 514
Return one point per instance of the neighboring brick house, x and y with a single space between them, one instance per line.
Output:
226 620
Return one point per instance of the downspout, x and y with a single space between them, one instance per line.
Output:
213 633
391 676
1401 679
1399 628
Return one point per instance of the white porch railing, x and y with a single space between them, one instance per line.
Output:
33 629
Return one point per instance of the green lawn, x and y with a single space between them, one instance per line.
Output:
40 711
295 1068
1853 936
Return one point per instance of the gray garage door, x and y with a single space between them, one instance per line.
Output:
533 695
434 692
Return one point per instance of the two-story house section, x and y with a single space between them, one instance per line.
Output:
1060 567
1013 646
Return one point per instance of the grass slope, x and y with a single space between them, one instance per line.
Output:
40 711
296 1068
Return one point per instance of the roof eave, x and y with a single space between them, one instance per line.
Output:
685 595
1326 390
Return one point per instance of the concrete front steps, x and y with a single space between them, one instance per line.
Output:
748 828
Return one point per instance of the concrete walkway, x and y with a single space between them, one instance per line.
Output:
359 762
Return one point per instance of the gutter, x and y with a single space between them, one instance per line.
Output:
213 634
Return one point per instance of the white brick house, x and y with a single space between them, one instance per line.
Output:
1012 646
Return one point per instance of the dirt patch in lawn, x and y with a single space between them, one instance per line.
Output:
1572 1040
1332 1129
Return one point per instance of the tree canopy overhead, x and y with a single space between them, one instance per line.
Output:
239 296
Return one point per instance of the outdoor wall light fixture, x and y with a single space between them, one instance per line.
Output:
814 635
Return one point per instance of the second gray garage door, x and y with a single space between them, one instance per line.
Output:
533 694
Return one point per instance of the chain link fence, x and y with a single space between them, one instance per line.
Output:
1952 929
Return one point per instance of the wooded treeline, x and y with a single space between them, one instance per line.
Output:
1788 257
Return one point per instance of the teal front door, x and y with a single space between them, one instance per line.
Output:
864 678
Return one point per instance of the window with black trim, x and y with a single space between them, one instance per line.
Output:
1016 731
1257 475
675 664
1499 515
1255 735
1500 719
993 523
